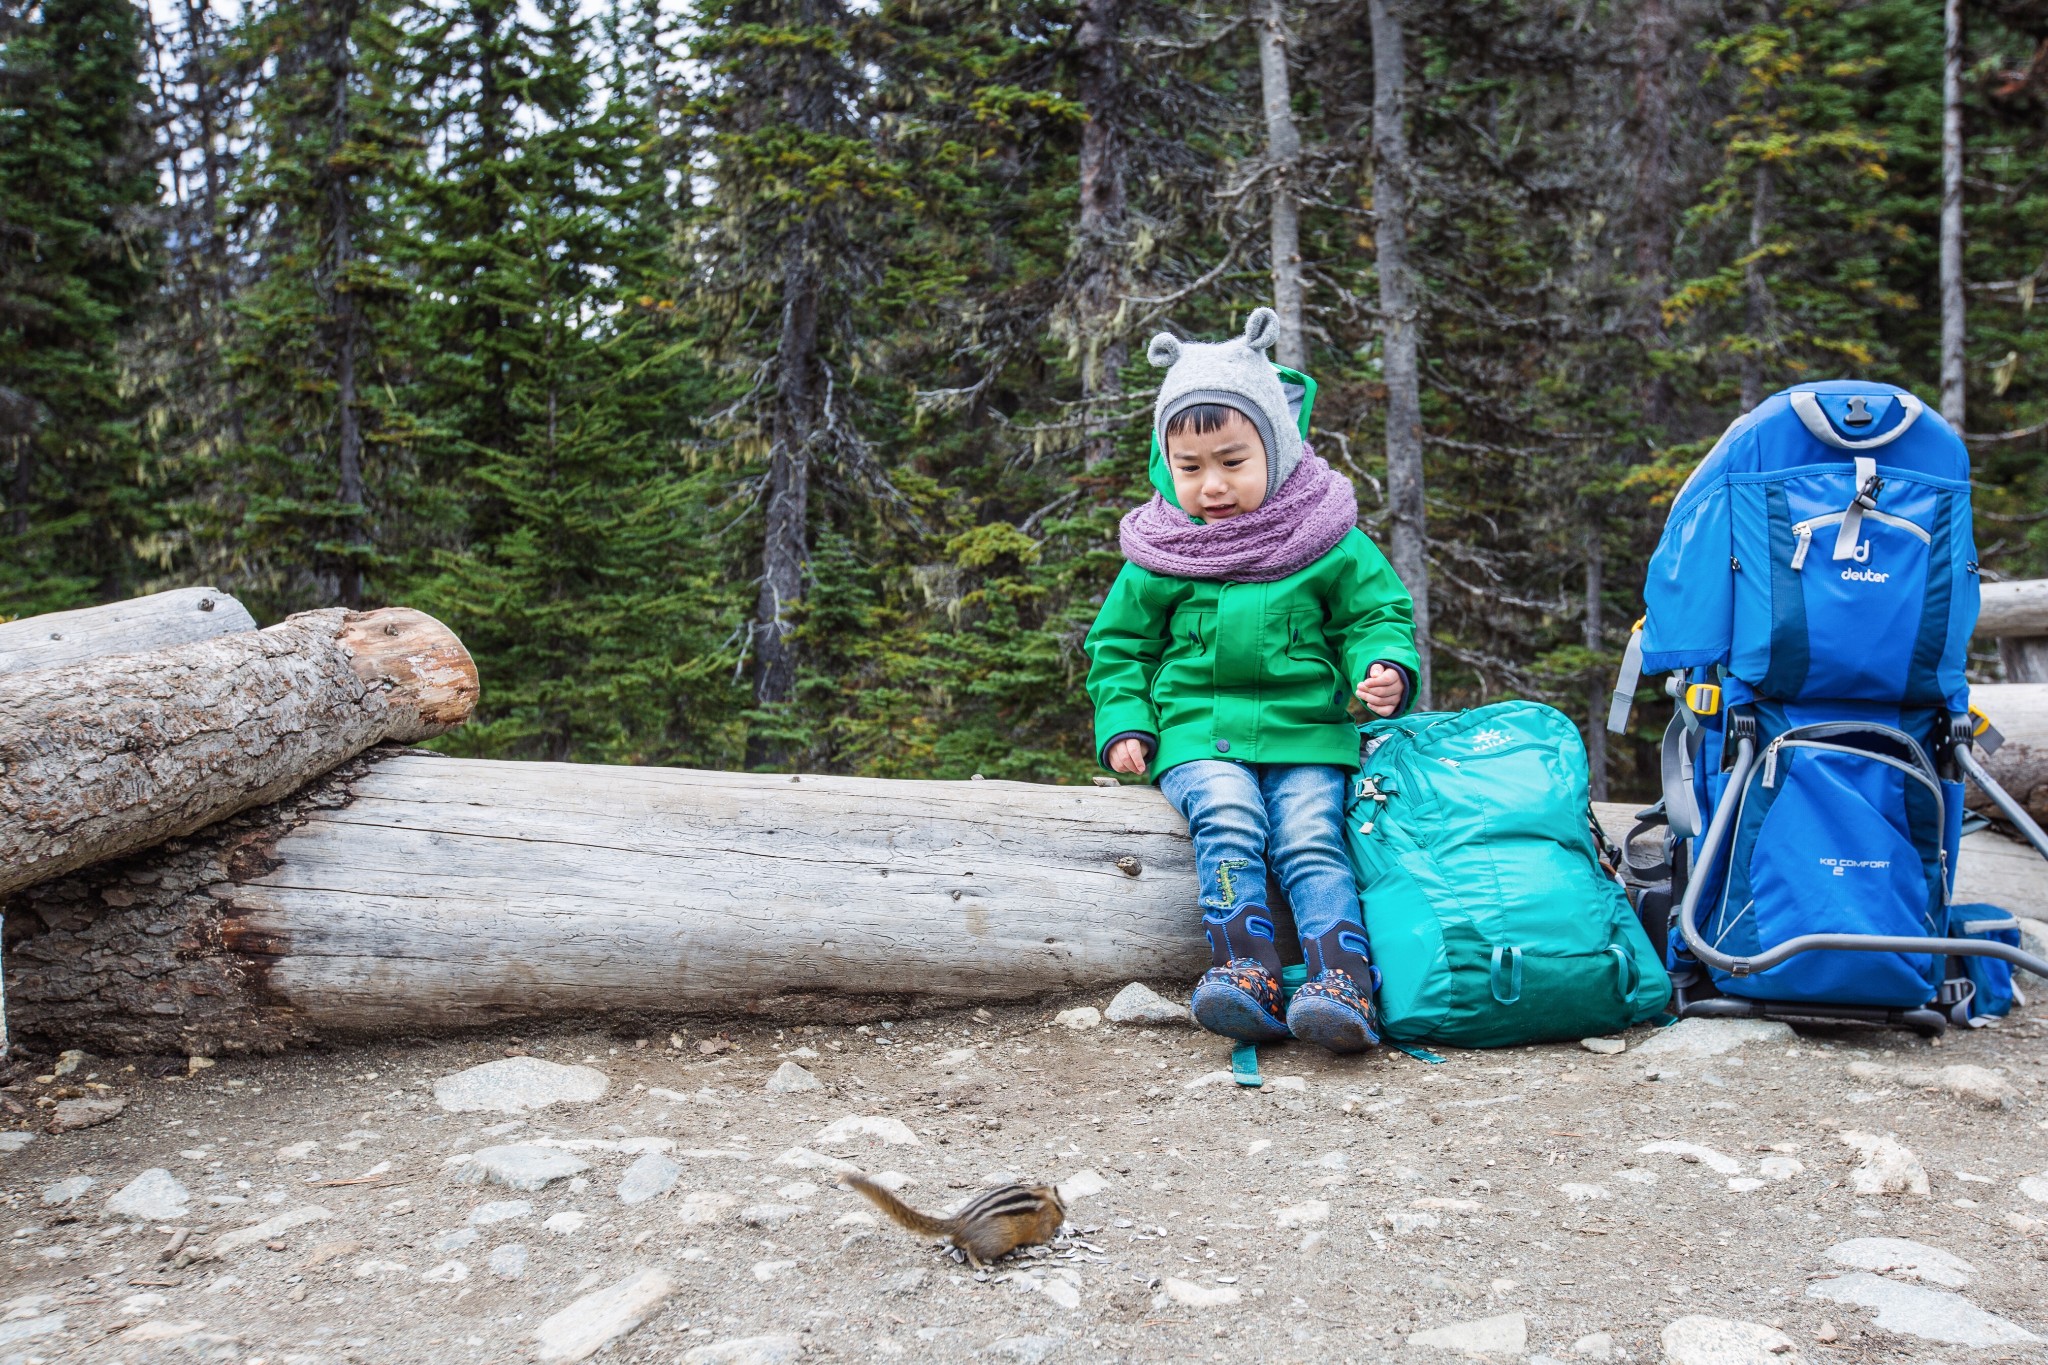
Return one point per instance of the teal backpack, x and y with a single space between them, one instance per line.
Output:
1490 917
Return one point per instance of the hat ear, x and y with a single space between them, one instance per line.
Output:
1262 329
1164 350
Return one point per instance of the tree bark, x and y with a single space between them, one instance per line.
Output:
1099 228
1952 386
1283 152
1651 193
1756 290
103 758
409 893
344 307
1598 693
157 621
1392 184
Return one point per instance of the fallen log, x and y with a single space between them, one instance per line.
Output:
408 893
2015 614
159 621
2020 711
118 753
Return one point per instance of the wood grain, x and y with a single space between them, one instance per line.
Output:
163 619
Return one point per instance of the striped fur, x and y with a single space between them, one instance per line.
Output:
989 1226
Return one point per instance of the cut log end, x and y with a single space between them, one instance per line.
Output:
416 658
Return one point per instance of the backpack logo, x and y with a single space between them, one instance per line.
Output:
1864 576
1841 865
1485 741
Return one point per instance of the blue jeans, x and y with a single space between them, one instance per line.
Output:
1245 816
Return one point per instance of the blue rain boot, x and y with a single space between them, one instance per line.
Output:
1334 1008
1239 997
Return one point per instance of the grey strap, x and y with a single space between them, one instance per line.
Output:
1681 742
1850 533
1822 430
1626 682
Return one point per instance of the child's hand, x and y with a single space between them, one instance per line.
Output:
1381 690
1127 756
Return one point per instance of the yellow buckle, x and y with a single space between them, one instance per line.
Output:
1703 699
1979 723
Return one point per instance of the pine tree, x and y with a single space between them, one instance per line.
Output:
79 255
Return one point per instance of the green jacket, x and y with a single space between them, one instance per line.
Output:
1255 672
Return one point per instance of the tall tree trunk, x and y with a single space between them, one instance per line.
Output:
1952 215
1392 183
1756 290
1099 231
785 549
1283 150
1651 192
344 306
1597 687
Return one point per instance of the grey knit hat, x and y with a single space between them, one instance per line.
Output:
1235 374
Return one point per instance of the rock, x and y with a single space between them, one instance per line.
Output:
297 1151
765 1271
789 1078
906 1282
499 1211
518 1085
155 1196
14 1142
1712 1037
1718 1162
602 1316
771 1215
68 1061
1903 1260
2035 1187
1701 1340
64 1191
1082 1184
1209 1078
448 1272
779 1349
530 1169
1081 1017
1915 1311
456 1240
2025 1226
1025 1350
1743 1184
1436 1204
269 1230
803 1158
1138 1003
700 1208
1982 1087
879 1127
508 1262
1885 1166
653 1174
85 1113
2033 937
1296 1083
1594 1346
1405 1223
28 1328
1780 1167
1506 1334
1606 1047
1191 1295
1579 1192
566 1223
1307 1214
796 1191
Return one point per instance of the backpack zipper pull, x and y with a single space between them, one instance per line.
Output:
1771 762
1805 534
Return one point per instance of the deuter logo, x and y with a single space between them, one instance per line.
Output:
1842 865
1864 576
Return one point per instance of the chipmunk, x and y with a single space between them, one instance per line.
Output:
988 1227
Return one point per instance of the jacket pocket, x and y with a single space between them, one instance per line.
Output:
1311 657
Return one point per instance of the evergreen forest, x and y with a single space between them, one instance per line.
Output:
759 383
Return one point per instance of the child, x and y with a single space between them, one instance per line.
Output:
1251 610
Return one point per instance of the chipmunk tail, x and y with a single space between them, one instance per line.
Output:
899 1212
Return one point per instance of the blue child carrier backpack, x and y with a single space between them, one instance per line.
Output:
1813 593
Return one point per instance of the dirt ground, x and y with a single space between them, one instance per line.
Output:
1345 1207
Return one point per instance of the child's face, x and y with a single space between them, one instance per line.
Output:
1218 474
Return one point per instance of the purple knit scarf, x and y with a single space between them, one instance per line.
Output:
1294 528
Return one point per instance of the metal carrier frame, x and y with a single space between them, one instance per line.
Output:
1693 995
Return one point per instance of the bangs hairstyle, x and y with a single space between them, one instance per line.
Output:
1203 418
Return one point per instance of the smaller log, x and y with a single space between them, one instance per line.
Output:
116 754
2016 615
159 621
